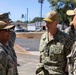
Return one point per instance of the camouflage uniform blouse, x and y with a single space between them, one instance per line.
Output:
10 45
11 52
72 57
72 61
6 62
3 60
54 52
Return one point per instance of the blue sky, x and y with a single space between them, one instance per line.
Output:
18 7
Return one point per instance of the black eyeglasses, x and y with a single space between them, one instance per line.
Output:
7 30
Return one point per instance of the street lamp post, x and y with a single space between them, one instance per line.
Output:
40 1
27 15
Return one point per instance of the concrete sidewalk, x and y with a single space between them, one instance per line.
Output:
28 61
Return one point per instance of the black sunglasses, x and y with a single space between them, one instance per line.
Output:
7 30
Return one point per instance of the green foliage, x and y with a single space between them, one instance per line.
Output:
61 6
36 19
18 21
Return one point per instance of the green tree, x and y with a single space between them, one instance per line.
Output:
18 21
36 19
61 6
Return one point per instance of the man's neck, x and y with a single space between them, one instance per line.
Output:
51 34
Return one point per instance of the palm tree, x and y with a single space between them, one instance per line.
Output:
22 16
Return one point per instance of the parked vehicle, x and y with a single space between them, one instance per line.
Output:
19 29
38 29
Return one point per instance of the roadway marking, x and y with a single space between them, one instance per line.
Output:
26 52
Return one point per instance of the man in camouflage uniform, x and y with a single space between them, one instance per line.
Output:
72 32
10 43
5 65
53 48
10 48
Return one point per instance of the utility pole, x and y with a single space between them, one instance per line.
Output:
27 15
25 18
41 1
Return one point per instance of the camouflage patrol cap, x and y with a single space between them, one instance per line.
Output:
4 25
51 16
71 12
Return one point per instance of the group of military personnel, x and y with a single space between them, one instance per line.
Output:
8 58
58 48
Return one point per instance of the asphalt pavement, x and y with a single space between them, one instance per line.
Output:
27 60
